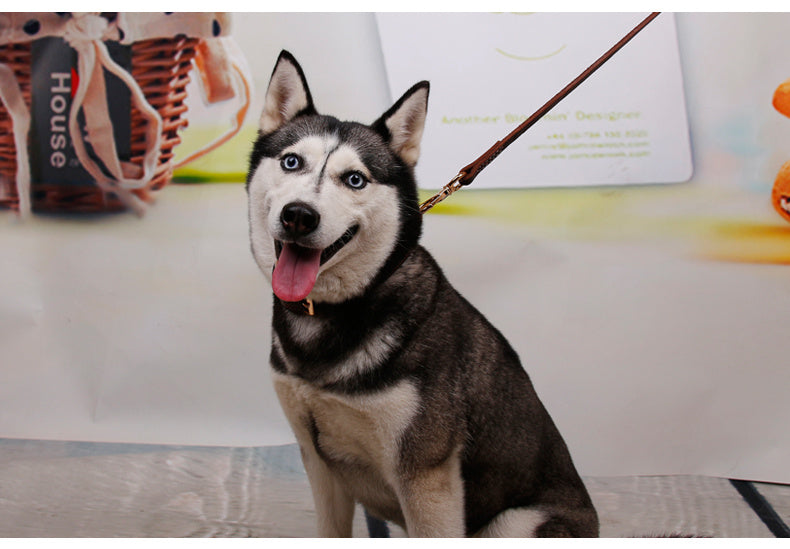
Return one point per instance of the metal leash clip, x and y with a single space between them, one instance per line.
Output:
446 191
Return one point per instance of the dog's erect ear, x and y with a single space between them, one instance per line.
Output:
287 94
403 123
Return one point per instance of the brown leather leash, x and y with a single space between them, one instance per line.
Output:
468 173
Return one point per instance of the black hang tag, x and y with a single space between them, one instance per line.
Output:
54 79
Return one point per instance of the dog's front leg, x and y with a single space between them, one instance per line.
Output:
334 508
432 500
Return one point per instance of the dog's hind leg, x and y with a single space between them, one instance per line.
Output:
531 522
522 522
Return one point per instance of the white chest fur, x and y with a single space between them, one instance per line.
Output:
362 430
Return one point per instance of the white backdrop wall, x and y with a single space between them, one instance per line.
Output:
652 319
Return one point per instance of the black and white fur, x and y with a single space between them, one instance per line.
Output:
402 396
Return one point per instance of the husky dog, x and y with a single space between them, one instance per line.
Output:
402 396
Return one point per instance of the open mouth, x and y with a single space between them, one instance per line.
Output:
328 252
296 270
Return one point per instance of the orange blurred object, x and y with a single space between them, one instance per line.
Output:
781 100
781 193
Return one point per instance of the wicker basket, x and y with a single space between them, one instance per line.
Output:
16 56
161 68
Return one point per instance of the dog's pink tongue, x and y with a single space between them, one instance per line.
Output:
295 273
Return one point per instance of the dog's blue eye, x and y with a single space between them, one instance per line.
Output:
291 162
355 180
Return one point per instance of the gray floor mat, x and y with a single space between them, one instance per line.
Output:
69 489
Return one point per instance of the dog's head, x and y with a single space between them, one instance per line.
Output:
332 204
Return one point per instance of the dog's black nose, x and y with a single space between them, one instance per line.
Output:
299 219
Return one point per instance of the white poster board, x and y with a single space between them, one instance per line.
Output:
489 71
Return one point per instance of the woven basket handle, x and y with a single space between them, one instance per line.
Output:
93 57
240 81
11 97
